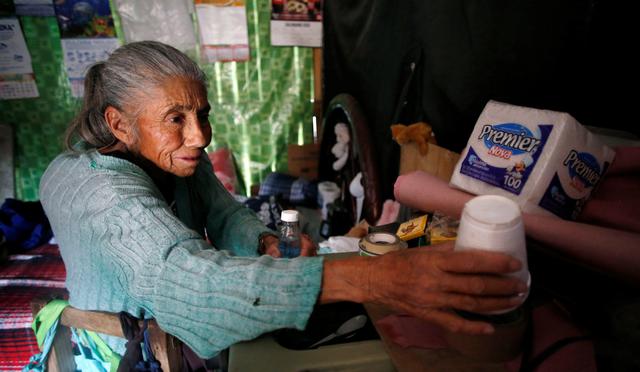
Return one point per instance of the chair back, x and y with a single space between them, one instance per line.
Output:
166 348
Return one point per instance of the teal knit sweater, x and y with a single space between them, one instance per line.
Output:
124 250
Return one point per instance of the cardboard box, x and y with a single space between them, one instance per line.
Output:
439 161
303 160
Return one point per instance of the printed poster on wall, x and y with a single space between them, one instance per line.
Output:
16 73
296 23
223 30
35 8
140 21
88 36
79 54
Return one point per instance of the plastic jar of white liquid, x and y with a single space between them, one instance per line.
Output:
494 223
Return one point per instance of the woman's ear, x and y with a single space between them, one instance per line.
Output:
119 125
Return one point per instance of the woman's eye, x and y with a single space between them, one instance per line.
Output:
176 119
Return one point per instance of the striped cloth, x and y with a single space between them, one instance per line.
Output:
38 273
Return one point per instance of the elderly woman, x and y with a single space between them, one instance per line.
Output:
145 227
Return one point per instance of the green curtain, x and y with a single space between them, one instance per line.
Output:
259 106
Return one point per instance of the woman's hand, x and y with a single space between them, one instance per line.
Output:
307 246
427 283
270 246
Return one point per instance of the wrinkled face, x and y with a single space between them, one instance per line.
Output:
173 126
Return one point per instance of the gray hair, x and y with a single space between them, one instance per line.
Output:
130 70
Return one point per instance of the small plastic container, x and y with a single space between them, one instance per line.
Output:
494 223
289 234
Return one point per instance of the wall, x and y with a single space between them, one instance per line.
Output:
258 106
570 56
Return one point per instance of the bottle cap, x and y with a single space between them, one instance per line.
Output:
289 215
494 223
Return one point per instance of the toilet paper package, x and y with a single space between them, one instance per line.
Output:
543 160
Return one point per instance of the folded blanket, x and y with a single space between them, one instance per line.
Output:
24 224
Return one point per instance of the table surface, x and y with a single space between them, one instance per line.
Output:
414 359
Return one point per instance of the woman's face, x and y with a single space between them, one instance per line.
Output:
173 126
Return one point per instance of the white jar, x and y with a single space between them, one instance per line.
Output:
494 223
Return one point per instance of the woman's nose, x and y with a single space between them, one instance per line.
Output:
196 134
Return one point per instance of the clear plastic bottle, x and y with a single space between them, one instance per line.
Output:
289 234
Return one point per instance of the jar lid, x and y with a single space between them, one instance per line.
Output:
493 211
289 215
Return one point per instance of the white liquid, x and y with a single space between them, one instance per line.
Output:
494 223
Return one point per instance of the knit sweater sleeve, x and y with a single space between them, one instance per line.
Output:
125 250
230 225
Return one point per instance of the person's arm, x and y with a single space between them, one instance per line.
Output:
269 246
125 250
230 225
205 297
427 283
611 250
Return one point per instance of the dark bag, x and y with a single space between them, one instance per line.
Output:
134 360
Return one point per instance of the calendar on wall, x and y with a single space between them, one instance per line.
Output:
87 36
16 73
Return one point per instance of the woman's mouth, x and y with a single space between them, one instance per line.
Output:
189 159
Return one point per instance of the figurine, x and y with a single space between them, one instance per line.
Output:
341 149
